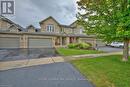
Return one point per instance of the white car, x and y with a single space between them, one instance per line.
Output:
117 44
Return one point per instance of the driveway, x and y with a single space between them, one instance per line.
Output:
110 49
20 54
51 75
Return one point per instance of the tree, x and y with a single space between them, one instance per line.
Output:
107 19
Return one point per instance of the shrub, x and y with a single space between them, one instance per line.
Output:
72 45
80 46
83 46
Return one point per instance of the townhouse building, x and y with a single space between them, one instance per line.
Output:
50 34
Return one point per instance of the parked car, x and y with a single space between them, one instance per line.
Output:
117 44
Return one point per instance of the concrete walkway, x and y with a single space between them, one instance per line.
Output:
29 62
75 57
48 60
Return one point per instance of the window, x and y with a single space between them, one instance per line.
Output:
50 28
71 30
81 31
62 30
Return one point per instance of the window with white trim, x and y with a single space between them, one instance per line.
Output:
62 30
50 28
81 31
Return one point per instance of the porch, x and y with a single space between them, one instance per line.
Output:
64 41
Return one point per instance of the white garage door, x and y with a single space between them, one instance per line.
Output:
40 43
9 42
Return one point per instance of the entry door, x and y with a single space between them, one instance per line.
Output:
71 39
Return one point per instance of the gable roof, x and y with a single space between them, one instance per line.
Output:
11 22
13 25
61 25
50 17
74 22
30 26
6 19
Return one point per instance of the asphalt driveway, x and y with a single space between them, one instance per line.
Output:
20 54
51 75
110 49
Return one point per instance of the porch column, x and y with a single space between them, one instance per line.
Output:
67 41
77 40
61 42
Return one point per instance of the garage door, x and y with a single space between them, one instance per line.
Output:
100 43
9 42
38 43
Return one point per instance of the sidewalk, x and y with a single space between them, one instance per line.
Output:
75 57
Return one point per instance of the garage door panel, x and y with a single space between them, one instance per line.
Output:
100 43
36 43
9 42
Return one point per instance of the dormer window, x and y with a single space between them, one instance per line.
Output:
50 28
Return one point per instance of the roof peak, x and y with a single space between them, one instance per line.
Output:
10 21
50 17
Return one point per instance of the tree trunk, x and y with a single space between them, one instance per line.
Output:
125 50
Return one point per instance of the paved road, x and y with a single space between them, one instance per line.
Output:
51 75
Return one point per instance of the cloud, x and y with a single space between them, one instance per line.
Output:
33 11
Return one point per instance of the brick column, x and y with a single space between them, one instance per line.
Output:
53 41
61 42
67 40
26 41
78 40
23 41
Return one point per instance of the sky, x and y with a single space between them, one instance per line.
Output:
33 11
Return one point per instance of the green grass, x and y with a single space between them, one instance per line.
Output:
107 71
70 52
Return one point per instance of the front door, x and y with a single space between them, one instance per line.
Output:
71 39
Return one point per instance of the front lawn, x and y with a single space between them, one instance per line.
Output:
69 52
107 71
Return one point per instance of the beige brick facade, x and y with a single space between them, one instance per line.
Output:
4 25
31 28
8 26
57 28
60 37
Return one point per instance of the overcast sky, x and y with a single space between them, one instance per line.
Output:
33 11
